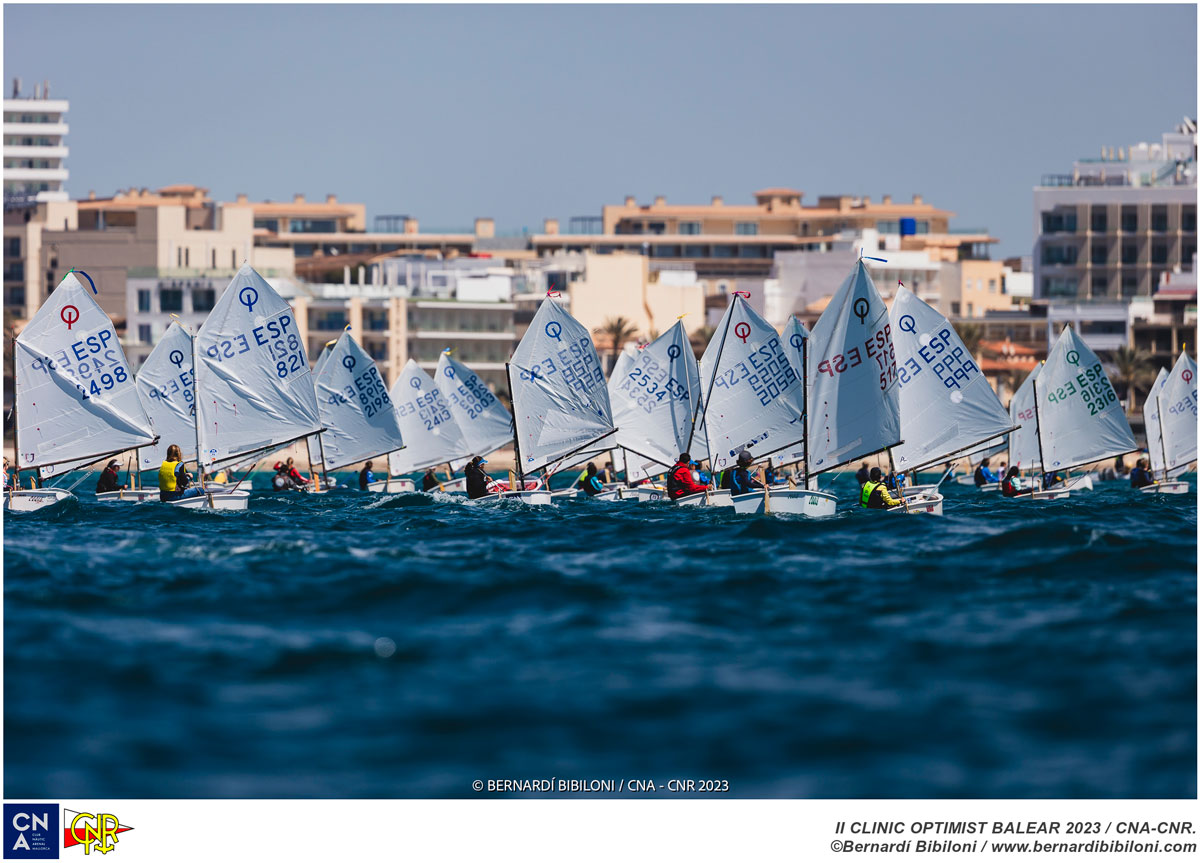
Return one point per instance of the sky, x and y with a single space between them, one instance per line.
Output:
520 113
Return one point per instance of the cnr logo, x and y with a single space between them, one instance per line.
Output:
98 832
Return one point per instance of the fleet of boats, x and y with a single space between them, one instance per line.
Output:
867 381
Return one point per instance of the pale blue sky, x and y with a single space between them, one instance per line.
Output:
523 112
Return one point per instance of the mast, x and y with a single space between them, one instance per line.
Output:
16 483
196 413
1161 440
804 404
516 435
1038 423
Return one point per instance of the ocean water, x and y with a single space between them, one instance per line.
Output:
349 645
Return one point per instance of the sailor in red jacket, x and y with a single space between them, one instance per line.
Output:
679 480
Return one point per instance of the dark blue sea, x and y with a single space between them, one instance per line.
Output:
349 645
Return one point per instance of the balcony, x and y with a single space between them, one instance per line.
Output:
33 174
462 334
33 151
36 128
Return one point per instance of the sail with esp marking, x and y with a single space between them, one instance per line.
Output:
1079 417
431 436
254 389
76 397
1178 400
484 423
795 336
355 408
560 397
655 396
946 404
1154 439
854 392
167 382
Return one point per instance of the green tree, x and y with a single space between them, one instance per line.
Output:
971 335
700 339
1134 371
619 330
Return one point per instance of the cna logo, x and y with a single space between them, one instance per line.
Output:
94 832
30 831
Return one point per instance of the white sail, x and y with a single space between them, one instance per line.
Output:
355 408
167 384
1179 402
795 335
946 404
655 396
853 394
1154 440
751 392
431 436
1079 416
254 389
1023 442
484 423
560 400
976 456
76 397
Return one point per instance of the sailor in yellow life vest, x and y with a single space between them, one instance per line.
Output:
174 482
875 493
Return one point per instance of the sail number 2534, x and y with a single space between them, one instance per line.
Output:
878 347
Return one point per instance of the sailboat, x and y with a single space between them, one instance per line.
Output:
946 404
1024 442
795 337
1170 414
559 395
1076 412
75 397
254 388
354 407
431 436
655 398
754 401
976 456
854 389
485 424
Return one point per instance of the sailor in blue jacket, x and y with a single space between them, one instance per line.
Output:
984 475
738 480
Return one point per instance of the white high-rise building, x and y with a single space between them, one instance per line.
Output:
35 149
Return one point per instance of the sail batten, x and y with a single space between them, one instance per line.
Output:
485 425
76 396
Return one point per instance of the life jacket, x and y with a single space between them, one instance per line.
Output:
166 476
980 479
1008 489
872 495
592 485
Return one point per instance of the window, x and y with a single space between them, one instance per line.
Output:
1158 217
1060 255
1129 219
170 300
267 224
754 252
991 286
1059 286
1058 221
1129 253
656 227
1158 253
954 308
1187 219
695 251
312 226
12 247
203 299
1129 285
144 333
886 227
689 227
233 258
328 321
745 228
1099 220
666 251
1189 252
143 301
214 259
970 310
923 227
1099 253
723 251
187 257
1099 286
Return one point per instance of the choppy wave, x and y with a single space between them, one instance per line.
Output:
348 645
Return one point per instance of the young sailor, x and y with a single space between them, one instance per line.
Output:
1139 477
738 480
1012 485
863 475
477 478
429 482
174 482
365 477
294 475
875 493
984 475
108 479
592 484
681 481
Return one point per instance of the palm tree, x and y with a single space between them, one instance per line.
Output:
619 331
700 339
971 334
1134 372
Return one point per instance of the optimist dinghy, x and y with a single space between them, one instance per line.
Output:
1170 413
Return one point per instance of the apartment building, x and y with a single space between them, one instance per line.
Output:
1115 225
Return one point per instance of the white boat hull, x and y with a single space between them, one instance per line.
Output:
128 496
921 489
231 500
797 501
921 502
1052 494
1082 483
567 494
643 493
540 497
720 497
33 499
1173 487
391 486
